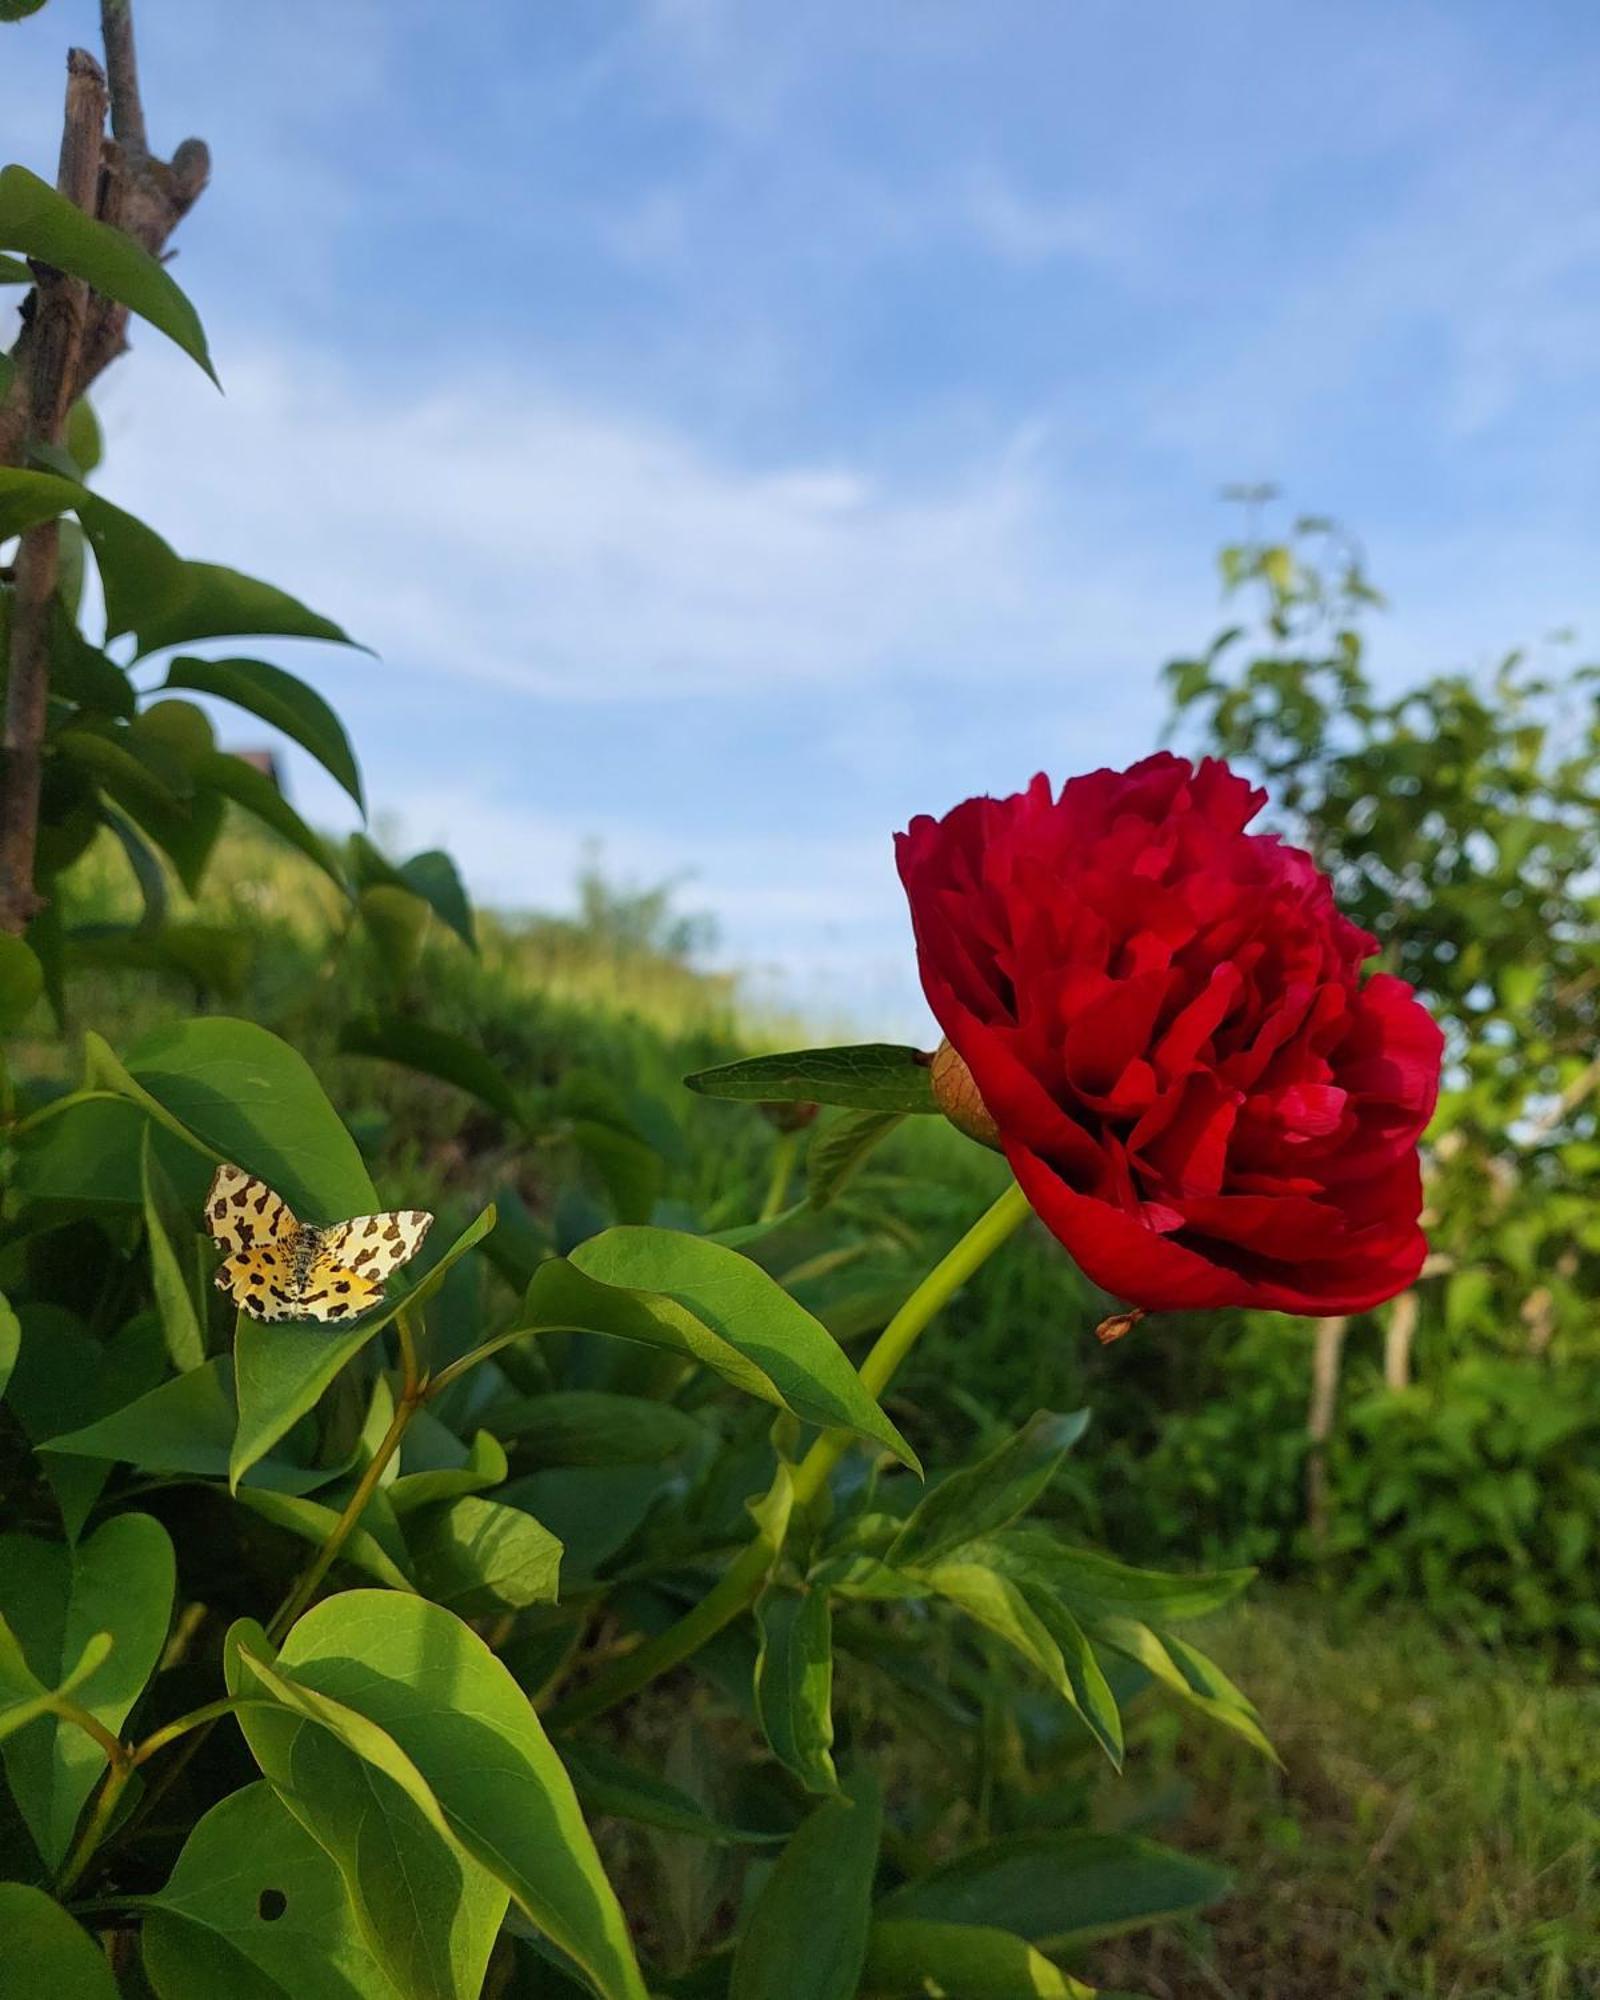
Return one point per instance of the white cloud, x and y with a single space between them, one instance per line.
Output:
492 530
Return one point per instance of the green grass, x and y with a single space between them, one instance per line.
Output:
1434 1833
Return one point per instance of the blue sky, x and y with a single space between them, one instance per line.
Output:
739 427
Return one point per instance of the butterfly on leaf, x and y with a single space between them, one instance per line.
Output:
278 1268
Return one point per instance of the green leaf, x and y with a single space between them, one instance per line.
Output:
433 877
416 1694
876 1076
218 772
607 1784
1196 1681
838 1150
40 223
591 1427
138 570
10 1341
12 269
85 441
255 1909
434 1052
981 1498
21 982
253 1100
397 923
147 870
82 674
1057 1889
55 1599
313 1522
281 699
24 1697
43 1952
479 1556
281 1370
913 1958
172 1262
794 1684
1006 1609
210 602
806 1938
1094 1586
185 1426
485 1466
695 1297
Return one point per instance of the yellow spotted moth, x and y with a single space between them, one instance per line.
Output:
277 1268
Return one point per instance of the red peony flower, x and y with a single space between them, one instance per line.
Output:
1164 1017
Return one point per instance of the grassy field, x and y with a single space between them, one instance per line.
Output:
1434 1829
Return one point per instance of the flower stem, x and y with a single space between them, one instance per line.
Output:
782 1168
741 1583
105 1805
345 1526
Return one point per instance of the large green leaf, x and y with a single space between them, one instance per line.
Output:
138 570
216 771
479 1556
281 699
55 1599
211 602
256 1910
43 1952
24 1697
38 222
415 1693
1093 1585
875 1076
1059 1888
908 1959
592 1427
794 1683
980 1498
426 1912
253 1100
697 1298
281 1370
434 1052
1005 1608
806 1938
1196 1681
185 1425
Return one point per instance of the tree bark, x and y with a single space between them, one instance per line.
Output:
47 375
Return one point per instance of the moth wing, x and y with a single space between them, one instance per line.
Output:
243 1213
261 1282
375 1246
332 1291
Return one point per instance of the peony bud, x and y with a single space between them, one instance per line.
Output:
957 1097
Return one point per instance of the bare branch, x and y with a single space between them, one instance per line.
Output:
49 371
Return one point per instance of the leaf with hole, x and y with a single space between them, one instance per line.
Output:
255 1908
415 1693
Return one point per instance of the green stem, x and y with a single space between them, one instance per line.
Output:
782 1167
741 1583
345 1526
437 1384
197 1718
105 1805
412 1380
